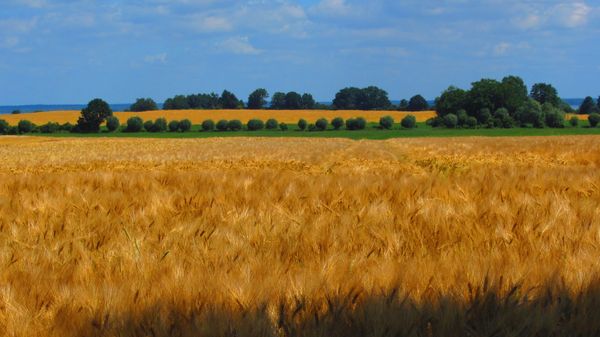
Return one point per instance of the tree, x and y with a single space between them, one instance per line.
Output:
222 125
386 122
545 93
409 122
228 100
3 127
486 93
530 113
403 106
179 102
143 104
417 103
450 121
134 124
588 106
293 100
322 124
185 125
25 126
598 102
112 123
255 124
302 124
93 115
337 123
208 125
271 124
347 98
278 101
308 102
514 93
451 100
257 99
174 126
374 98
594 119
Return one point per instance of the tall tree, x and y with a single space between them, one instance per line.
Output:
418 103
229 101
257 99
93 115
545 93
347 98
588 106
179 102
308 102
484 94
143 104
374 98
293 100
403 106
451 100
514 93
278 101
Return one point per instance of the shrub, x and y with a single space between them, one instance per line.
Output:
302 124
409 122
271 124
471 122
3 127
112 123
50 127
484 117
337 123
222 125
185 125
16 112
450 121
134 124
283 126
13 130
234 125
435 122
555 119
255 124
321 124
67 127
312 127
594 119
386 122
462 116
574 121
160 125
149 126
25 126
502 119
208 125
356 123
174 126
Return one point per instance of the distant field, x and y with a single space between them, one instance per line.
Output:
293 237
197 116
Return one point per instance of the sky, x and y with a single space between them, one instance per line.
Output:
70 51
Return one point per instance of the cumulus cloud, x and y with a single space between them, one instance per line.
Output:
238 45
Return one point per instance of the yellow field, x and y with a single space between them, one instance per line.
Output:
300 237
198 116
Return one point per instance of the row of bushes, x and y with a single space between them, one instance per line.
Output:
25 126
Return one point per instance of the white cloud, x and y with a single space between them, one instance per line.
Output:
566 14
211 24
238 45
332 7
571 14
158 58
501 48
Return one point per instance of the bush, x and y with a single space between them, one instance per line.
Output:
208 125
462 116
255 124
134 124
302 124
555 118
312 127
174 126
502 119
271 124
67 127
234 125
185 125
25 126
386 122
16 112
283 126
149 126
574 121
450 121
222 125
160 125
356 123
337 123
484 117
3 127
409 122
50 127
13 130
321 124
594 119
435 122
112 123
471 122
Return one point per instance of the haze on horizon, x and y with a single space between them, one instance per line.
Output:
59 51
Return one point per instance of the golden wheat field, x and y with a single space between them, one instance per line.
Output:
300 237
198 116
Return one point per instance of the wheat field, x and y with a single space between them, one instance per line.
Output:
300 237
198 116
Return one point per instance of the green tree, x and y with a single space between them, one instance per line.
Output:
302 124
93 115
545 93
257 99
179 102
530 113
308 102
271 124
347 98
293 101
451 100
3 127
588 106
149 126
229 101
337 123
134 124
386 122
322 124
222 125
514 93
418 103
450 121
486 93
594 119
403 106
185 125
374 98
255 124
234 125
112 123
174 126
208 125
409 122
278 101
143 104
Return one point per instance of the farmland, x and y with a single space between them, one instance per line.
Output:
198 116
299 237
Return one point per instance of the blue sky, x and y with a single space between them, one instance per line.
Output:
58 51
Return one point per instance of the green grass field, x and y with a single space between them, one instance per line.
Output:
372 132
